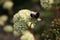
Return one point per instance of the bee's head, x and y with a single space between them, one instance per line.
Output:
34 15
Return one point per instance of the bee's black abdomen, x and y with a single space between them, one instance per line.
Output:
37 15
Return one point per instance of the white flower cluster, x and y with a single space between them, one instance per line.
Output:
46 3
8 5
22 15
27 36
22 20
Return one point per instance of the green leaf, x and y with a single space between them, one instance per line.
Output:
35 1
47 14
47 21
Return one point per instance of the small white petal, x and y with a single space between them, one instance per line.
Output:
1 23
4 18
29 24
51 1
39 19
32 25
8 28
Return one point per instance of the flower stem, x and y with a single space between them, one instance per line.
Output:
57 12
